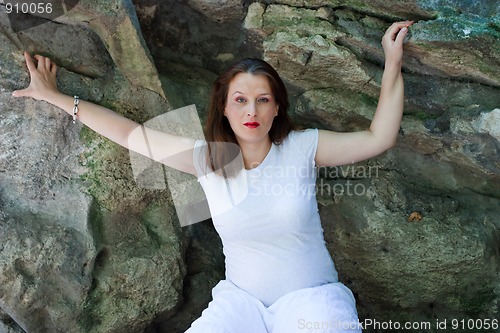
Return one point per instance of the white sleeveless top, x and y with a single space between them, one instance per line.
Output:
268 220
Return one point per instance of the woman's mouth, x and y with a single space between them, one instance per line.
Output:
252 124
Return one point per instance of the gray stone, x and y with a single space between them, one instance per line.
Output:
117 25
7 324
489 122
83 246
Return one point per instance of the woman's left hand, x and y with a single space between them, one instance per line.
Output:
392 42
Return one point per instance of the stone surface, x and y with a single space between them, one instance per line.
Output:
117 26
205 268
8 325
489 122
84 249
414 232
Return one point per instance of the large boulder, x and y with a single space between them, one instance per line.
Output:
84 248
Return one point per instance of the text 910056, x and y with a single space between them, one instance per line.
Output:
25 14
28 7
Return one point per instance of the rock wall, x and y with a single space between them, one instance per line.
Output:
414 232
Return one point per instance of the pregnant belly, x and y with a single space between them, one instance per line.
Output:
268 272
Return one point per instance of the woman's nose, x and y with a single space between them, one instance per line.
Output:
252 110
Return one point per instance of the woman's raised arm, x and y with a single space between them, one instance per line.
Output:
344 148
172 150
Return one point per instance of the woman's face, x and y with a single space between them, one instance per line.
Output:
250 107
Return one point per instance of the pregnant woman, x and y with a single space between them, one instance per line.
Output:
280 277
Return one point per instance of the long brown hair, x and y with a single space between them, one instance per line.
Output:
218 130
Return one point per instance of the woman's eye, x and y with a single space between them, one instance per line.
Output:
240 100
263 100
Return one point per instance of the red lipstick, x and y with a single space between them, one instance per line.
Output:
252 124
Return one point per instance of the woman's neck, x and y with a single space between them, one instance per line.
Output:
254 152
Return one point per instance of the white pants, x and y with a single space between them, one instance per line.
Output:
329 308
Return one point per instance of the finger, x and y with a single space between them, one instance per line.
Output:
403 23
401 36
394 29
391 32
47 63
20 93
39 60
29 62
53 70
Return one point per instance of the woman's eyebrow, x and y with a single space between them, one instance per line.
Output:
262 94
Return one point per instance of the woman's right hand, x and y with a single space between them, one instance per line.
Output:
43 78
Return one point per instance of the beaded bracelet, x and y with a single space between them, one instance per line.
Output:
75 108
